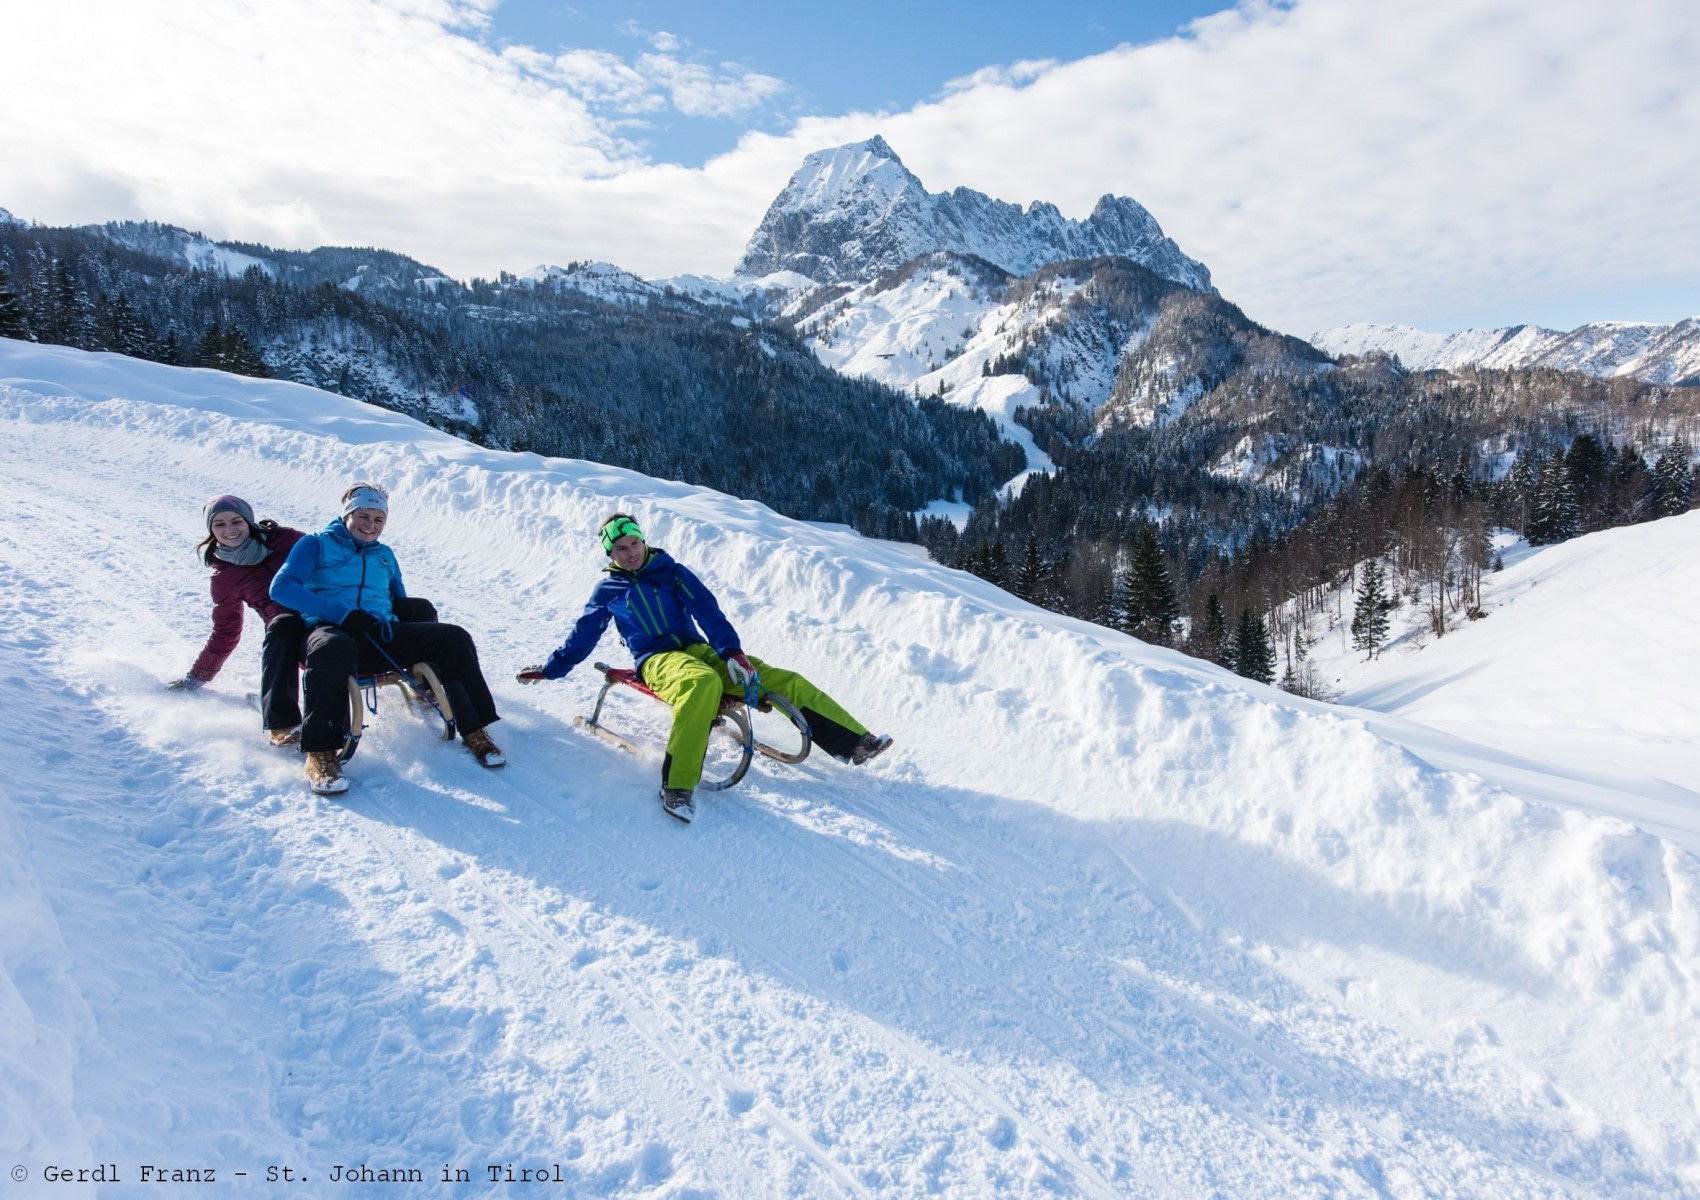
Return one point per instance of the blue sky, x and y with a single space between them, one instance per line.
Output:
832 58
1436 163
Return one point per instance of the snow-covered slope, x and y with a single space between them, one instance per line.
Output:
854 212
937 325
1106 922
1583 660
1666 354
182 246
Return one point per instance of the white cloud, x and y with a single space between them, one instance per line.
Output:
697 91
597 77
606 82
1430 161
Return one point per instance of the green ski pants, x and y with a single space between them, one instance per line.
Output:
692 680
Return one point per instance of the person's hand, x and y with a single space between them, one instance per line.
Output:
187 684
740 668
530 674
361 623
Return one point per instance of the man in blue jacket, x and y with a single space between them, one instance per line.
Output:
347 586
688 654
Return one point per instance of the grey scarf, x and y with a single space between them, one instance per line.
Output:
246 555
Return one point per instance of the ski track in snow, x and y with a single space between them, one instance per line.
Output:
1104 923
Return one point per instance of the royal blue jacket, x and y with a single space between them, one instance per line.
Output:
330 574
657 607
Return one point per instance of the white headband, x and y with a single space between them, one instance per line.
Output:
366 497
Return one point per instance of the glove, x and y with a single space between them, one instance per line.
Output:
531 675
187 684
741 670
361 623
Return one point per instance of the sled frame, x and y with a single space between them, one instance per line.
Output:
733 721
424 702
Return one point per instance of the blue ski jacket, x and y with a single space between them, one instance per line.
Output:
657 607
329 574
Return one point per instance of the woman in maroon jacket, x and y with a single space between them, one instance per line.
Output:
244 555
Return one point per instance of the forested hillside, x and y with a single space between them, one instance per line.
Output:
1270 485
670 387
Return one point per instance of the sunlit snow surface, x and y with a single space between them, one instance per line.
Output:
1106 921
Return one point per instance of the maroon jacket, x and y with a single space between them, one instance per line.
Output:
234 586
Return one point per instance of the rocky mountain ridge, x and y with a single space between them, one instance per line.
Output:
855 212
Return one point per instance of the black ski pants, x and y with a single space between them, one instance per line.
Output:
333 654
280 671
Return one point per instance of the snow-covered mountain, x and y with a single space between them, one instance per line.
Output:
603 281
1666 354
855 212
1107 921
1103 334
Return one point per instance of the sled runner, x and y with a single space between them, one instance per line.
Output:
421 690
732 742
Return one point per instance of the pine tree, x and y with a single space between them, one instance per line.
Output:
1588 465
1521 484
1030 575
1121 615
240 356
1214 634
65 313
209 351
1673 479
1254 657
1152 605
1369 615
14 317
1557 517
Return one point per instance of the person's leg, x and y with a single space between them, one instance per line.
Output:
832 728
331 656
693 687
456 657
280 672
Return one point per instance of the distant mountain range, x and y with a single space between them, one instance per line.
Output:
1667 354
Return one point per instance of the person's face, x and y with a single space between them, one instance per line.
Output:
228 529
365 524
628 552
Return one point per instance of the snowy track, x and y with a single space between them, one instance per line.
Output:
1146 934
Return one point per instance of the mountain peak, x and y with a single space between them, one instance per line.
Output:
854 212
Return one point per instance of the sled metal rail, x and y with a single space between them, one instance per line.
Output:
733 722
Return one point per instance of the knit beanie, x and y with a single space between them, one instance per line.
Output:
233 504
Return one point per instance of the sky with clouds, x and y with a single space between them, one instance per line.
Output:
1439 163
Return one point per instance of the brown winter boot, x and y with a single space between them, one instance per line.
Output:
483 749
324 772
284 737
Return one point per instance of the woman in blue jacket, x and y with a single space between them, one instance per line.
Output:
688 654
347 586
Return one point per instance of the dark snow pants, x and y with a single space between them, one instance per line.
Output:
333 654
280 672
